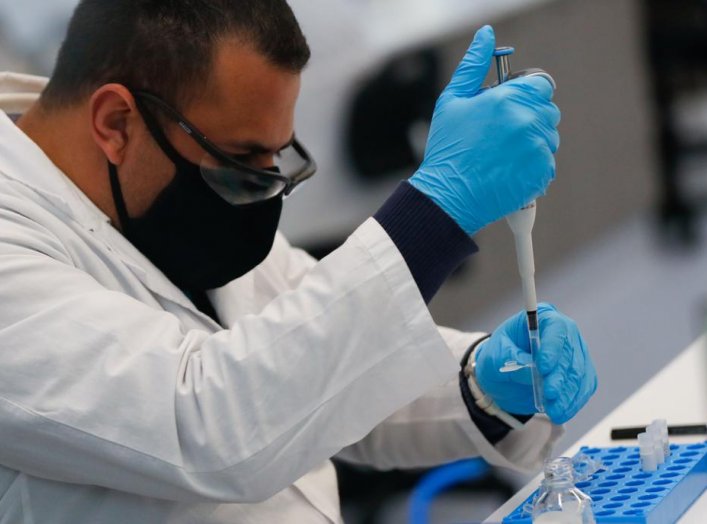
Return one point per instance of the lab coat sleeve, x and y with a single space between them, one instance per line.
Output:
98 388
437 429
298 262
291 262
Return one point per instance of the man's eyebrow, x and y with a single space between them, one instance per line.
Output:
257 148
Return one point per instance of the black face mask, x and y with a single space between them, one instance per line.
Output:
197 239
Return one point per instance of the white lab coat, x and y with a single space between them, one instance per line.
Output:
120 402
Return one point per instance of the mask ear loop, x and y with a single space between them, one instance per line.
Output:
164 145
118 198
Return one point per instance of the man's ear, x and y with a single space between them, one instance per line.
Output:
113 117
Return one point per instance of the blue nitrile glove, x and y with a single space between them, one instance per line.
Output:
569 375
489 152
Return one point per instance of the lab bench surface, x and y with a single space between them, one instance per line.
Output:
678 393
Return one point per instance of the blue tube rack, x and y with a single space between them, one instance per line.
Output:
623 493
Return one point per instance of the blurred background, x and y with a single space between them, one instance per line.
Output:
619 239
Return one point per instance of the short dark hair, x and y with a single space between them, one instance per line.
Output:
166 46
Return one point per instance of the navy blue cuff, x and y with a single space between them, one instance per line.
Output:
432 244
492 428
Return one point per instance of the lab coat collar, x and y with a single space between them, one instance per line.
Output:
24 161
18 92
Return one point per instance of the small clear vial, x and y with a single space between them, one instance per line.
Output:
665 438
559 500
646 447
654 432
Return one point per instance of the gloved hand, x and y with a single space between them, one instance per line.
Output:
489 152
564 362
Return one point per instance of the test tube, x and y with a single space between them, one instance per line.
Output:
654 433
663 425
645 444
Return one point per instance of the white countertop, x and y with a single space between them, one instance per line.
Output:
678 393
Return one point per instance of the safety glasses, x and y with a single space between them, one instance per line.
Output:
234 180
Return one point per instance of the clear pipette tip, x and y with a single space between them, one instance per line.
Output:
534 336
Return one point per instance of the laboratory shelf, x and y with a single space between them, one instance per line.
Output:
623 493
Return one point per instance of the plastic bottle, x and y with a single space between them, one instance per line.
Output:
559 500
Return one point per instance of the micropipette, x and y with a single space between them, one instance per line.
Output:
521 223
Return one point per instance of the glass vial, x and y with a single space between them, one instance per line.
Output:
559 500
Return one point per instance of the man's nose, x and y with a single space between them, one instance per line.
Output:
264 161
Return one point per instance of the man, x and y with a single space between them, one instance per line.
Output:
167 357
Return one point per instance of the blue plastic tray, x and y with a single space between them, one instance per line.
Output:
623 493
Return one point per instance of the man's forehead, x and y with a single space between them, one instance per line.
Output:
247 99
240 73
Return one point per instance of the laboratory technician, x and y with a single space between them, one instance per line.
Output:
167 357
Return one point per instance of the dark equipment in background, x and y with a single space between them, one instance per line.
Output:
676 32
390 114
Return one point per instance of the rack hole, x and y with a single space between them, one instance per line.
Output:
613 505
611 457
683 461
623 470
647 497
635 483
696 446
619 498
656 490
628 490
676 468
582 485
670 475
662 482
640 504
605 513
612 484
634 512
629 463
600 491
619 477
642 476
689 454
